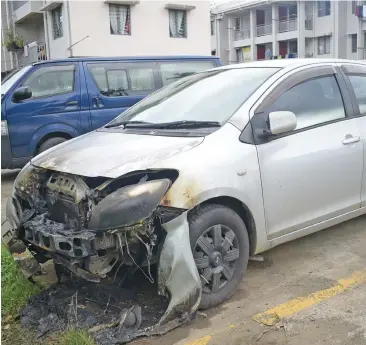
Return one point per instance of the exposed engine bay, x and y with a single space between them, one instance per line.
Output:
96 228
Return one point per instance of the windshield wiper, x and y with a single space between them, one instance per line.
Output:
175 124
124 123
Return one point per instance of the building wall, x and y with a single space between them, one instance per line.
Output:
149 30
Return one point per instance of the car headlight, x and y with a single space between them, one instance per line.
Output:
128 205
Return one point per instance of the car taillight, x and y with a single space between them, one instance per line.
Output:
4 128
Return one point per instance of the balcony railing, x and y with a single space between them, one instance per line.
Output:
263 30
241 34
36 52
287 25
309 24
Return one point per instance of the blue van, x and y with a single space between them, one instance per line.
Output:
47 103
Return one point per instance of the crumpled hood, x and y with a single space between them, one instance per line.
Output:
113 154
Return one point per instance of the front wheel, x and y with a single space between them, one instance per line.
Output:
220 246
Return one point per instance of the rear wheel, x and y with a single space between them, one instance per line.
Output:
50 143
220 246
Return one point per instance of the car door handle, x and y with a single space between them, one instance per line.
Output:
351 140
97 102
72 104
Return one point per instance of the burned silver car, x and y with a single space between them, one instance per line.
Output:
195 179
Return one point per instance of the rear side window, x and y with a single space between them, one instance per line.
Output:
51 81
314 102
359 86
173 70
123 79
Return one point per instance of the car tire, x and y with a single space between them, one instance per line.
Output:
220 274
50 143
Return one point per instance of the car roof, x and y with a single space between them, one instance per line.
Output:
288 63
132 58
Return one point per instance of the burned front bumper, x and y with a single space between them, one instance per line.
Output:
96 245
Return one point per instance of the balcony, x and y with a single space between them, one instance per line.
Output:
287 25
263 30
22 10
241 34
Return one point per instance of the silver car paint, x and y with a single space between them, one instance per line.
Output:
231 169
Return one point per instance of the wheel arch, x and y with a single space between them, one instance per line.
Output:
43 139
242 210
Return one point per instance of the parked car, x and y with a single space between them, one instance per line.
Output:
200 175
47 103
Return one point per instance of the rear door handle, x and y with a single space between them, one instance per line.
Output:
350 140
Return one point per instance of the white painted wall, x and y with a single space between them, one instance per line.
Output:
149 30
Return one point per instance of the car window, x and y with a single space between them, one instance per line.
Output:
122 79
52 80
314 101
207 96
171 71
359 86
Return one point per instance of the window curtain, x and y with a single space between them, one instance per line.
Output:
173 25
118 19
180 17
177 23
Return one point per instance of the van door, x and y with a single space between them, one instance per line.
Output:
53 108
113 87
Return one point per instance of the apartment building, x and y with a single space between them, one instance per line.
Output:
262 29
65 28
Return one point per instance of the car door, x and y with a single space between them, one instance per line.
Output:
115 86
313 173
355 75
53 107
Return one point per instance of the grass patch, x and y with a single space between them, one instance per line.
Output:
75 337
15 288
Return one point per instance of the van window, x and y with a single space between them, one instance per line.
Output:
122 79
50 81
173 70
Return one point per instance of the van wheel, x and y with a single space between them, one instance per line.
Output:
50 143
220 246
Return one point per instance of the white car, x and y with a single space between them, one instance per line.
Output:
199 176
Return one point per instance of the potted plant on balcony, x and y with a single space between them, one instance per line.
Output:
13 42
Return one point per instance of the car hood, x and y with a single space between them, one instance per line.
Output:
113 154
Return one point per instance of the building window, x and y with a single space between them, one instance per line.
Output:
56 15
119 19
178 23
324 45
323 8
354 43
212 27
237 24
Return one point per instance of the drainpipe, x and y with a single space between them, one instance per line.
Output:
218 45
69 27
48 46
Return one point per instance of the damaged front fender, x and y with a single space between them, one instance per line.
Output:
177 270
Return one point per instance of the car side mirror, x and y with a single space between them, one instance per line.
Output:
282 122
22 93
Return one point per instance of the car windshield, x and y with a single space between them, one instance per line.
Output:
212 96
12 78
